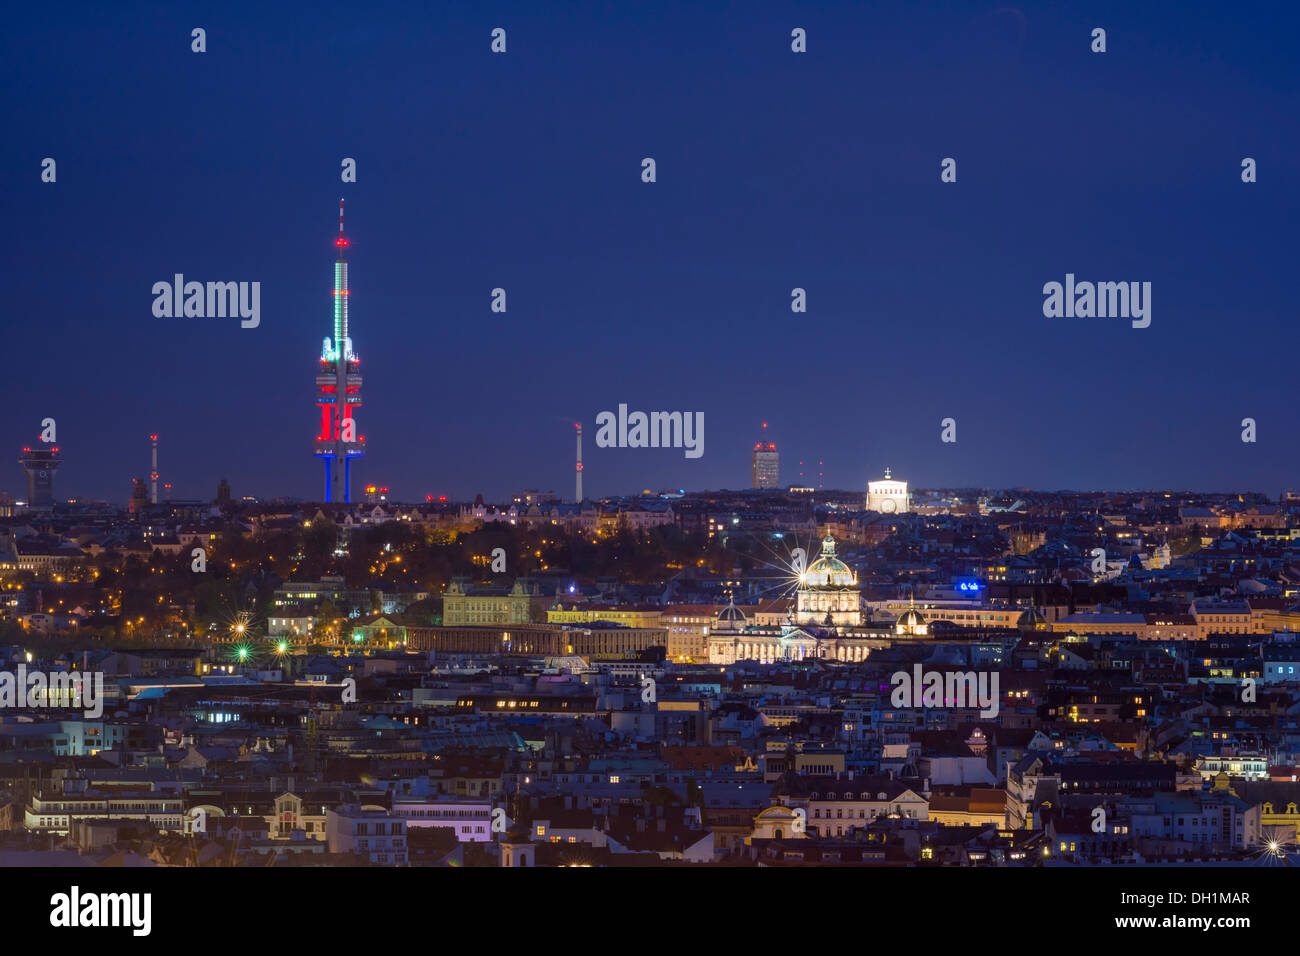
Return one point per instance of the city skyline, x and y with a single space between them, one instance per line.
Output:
358 497
64 496
852 439
924 298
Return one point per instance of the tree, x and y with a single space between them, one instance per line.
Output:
325 615
660 796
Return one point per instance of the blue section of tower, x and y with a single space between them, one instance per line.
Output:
347 475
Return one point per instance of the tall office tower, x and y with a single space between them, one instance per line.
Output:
40 465
139 497
765 465
338 390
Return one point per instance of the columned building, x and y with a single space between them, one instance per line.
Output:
826 622
828 592
599 641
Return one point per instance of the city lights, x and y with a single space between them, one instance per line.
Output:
992 567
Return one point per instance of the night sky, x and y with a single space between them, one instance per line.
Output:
775 170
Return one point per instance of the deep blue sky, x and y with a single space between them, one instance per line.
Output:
775 170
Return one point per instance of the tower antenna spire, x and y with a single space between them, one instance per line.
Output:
341 242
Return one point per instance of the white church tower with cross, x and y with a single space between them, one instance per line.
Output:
887 495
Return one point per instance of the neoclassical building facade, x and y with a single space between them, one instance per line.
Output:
827 622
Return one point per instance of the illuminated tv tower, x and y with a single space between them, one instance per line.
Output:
338 390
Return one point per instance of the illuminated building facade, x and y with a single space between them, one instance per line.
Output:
887 495
688 627
582 614
338 390
828 592
765 466
607 642
484 604
826 622
970 614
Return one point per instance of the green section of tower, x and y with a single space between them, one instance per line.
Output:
340 307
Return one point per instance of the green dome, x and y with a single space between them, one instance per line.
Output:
828 570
